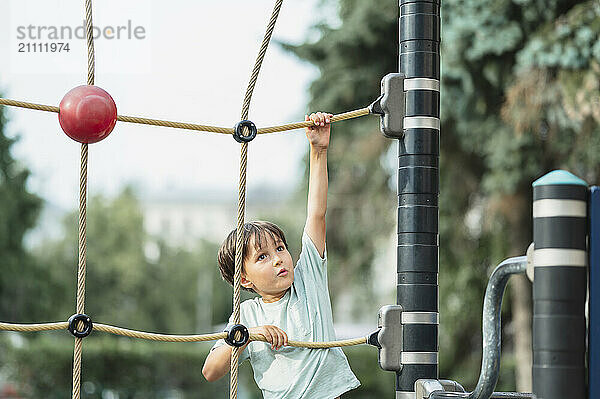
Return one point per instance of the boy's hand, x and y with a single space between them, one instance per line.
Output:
318 135
274 335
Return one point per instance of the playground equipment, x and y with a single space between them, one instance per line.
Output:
407 337
558 258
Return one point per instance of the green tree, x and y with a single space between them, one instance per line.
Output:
361 207
19 283
123 285
510 132
519 98
129 286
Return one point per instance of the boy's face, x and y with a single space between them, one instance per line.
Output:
268 270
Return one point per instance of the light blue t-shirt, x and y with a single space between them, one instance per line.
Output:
304 313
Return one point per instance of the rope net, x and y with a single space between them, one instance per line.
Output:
192 126
81 269
125 332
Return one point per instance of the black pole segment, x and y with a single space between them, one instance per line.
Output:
422 103
420 141
423 59
418 191
420 337
559 287
414 372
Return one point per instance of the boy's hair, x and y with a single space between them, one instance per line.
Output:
259 230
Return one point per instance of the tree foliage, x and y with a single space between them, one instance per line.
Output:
19 210
124 285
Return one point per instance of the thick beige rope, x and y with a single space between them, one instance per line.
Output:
23 104
158 337
34 327
235 353
125 332
193 126
81 269
177 125
211 337
300 125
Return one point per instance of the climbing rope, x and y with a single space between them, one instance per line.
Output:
79 326
81 267
125 332
192 126
239 244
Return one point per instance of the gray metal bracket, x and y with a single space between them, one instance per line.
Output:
391 105
389 337
424 388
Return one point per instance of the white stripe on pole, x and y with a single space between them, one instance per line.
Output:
419 358
421 84
421 122
559 257
420 318
545 208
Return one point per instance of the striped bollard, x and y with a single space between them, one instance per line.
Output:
559 286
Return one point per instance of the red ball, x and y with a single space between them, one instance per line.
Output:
87 114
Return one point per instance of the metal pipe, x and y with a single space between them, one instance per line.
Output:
452 386
418 191
494 395
492 332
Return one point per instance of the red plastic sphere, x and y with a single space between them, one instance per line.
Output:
87 114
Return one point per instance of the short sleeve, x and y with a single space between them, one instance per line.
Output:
310 261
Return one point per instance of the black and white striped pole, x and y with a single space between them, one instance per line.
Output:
559 288
418 189
410 112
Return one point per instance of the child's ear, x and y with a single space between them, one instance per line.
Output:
246 283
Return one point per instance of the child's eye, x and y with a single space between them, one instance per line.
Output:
280 248
261 256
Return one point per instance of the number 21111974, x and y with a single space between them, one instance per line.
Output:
43 47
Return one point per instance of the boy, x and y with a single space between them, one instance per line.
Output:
291 299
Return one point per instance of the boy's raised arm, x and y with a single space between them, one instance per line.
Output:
318 137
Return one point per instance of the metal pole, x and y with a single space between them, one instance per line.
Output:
559 286
594 302
492 325
418 189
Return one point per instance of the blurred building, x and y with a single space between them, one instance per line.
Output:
181 218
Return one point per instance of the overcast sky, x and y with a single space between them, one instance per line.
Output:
191 62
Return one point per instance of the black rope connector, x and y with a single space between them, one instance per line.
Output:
242 335
238 131
373 339
87 325
375 107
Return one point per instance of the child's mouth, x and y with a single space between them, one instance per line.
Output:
282 273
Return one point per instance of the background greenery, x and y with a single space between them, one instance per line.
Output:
520 84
